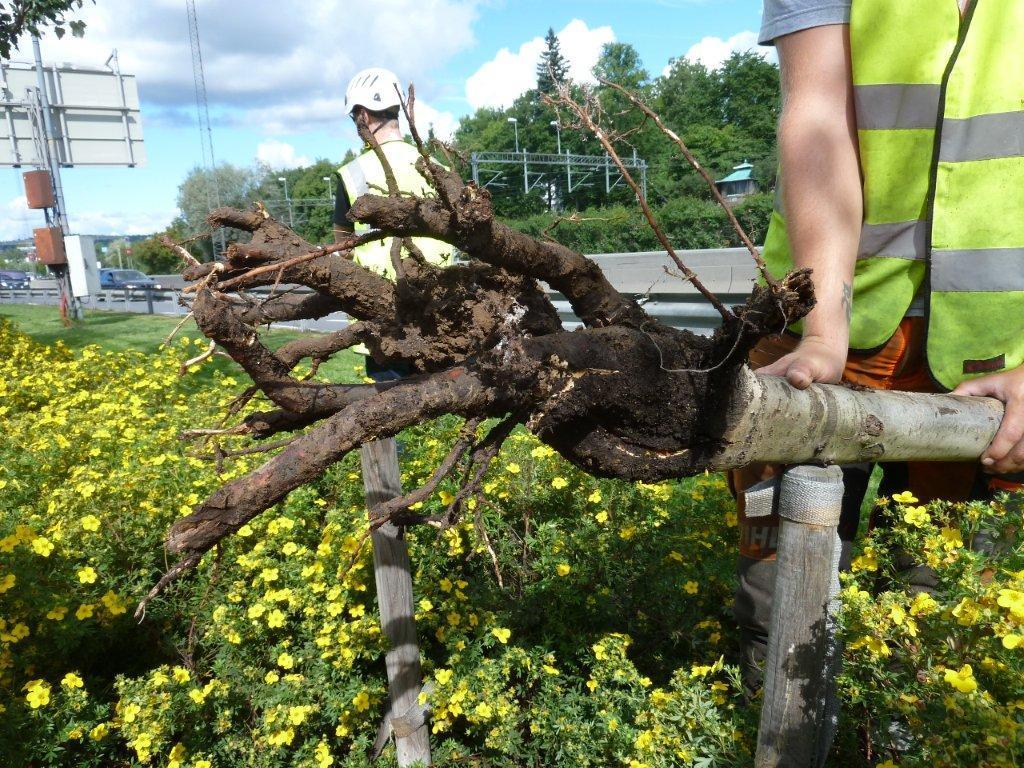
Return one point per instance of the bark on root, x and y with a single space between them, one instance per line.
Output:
625 396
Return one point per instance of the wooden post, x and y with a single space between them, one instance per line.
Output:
382 481
798 715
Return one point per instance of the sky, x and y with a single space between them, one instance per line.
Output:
276 74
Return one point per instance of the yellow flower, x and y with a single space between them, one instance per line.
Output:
38 693
90 523
180 675
967 612
501 634
202 764
563 569
271 677
484 711
906 497
197 695
601 517
559 483
916 516
99 732
322 755
275 619
1012 599
595 497
113 603
512 468
281 738
87 575
85 611
1012 641
7 582
361 701
71 681
285 661
951 539
592 685
691 587
627 533
446 497
443 676
42 546
298 715
963 680
923 604
866 561
57 613
426 606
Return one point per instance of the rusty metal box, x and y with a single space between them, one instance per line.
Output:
38 189
50 245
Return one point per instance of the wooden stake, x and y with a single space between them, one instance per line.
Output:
391 570
799 709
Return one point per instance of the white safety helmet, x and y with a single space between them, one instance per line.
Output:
375 89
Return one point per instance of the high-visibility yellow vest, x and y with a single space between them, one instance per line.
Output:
365 175
940 118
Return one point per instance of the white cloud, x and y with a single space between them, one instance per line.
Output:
508 75
427 117
712 52
17 221
279 155
271 64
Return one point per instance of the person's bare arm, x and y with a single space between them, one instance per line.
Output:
821 188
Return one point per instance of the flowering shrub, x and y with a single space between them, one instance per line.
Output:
567 621
935 675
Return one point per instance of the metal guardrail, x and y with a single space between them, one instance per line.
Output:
648 276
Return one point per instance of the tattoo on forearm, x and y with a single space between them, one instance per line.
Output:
848 301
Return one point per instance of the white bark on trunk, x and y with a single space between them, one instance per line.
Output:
767 420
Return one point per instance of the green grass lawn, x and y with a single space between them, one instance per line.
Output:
118 331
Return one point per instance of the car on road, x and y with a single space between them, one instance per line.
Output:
130 279
14 278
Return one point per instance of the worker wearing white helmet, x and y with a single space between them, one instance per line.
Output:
374 96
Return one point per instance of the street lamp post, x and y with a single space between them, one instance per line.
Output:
558 133
330 189
515 125
288 201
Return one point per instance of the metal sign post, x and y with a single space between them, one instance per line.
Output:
58 117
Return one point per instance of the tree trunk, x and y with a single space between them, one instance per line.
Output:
767 420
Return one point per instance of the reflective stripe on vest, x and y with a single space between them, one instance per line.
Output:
940 117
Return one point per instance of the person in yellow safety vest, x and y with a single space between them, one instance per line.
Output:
373 95
902 187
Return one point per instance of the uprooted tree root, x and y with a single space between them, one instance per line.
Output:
624 396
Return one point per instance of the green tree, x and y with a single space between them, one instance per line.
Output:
552 69
750 99
311 197
20 16
155 258
203 189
